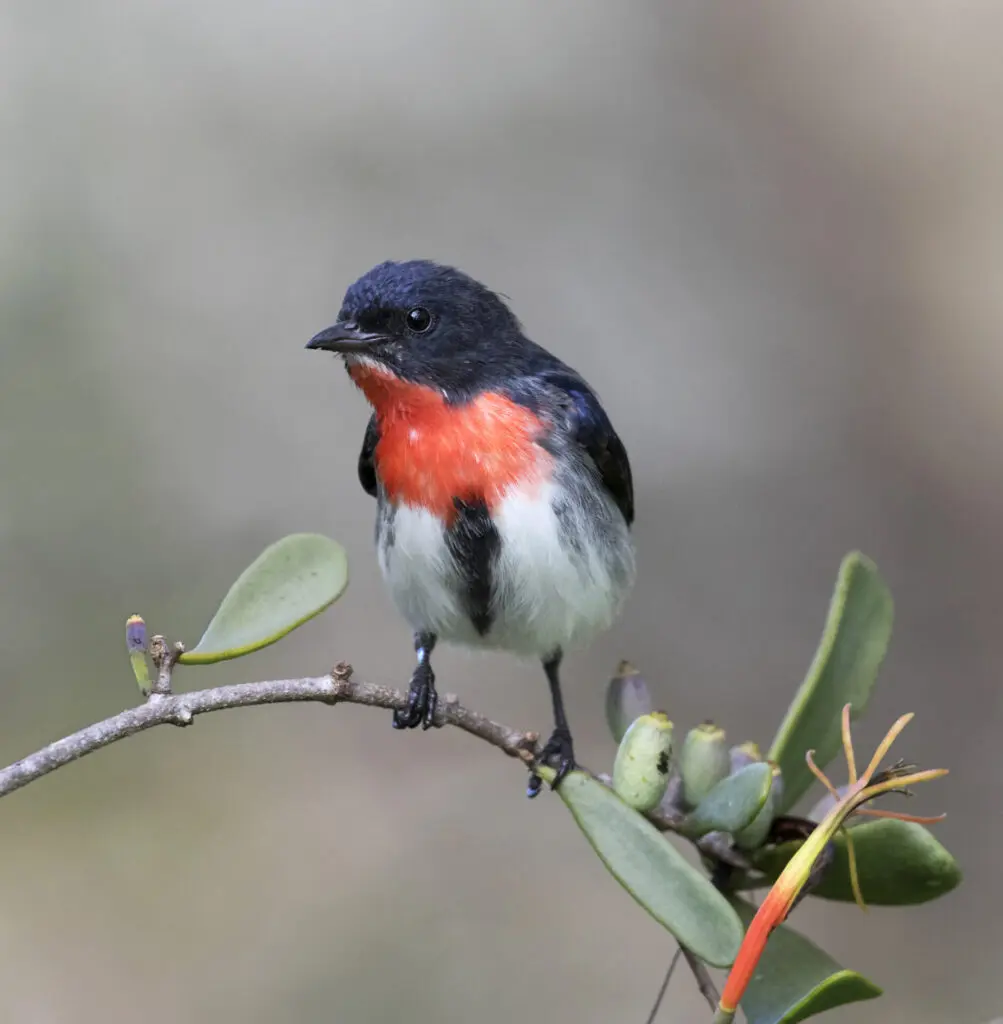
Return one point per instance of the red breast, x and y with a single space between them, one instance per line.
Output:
431 452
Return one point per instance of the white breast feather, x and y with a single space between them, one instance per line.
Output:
421 575
551 594
546 594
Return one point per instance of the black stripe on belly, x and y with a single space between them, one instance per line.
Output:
474 543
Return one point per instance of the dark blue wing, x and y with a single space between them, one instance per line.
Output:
589 427
595 433
367 467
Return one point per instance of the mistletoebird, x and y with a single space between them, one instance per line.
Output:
504 499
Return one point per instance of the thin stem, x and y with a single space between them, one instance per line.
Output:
665 985
704 981
700 973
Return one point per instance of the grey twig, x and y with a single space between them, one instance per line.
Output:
703 979
164 659
665 986
704 982
166 708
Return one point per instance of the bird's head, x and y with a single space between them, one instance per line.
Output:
424 323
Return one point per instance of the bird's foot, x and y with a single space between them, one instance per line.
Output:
559 754
422 700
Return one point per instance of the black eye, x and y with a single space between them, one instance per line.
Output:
419 319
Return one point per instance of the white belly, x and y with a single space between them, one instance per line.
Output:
558 580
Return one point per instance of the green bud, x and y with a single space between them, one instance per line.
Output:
627 698
641 769
754 834
703 761
745 753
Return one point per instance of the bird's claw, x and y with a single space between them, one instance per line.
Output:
559 754
422 700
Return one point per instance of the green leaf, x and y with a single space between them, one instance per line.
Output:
844 670
899 862
290 582
675 893
733 803
795 980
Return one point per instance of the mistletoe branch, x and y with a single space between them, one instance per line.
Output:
164 707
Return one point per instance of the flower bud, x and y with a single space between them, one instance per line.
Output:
641 769
703 761
135 644
135 634
627 698
745 753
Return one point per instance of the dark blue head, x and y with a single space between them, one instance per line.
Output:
426 323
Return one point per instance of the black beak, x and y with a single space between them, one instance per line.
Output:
346 336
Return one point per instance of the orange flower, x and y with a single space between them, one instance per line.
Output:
781 898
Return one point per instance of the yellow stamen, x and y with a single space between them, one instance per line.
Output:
820 775
919 819
885 745
851 762
851 853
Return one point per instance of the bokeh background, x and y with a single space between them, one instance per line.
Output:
772 236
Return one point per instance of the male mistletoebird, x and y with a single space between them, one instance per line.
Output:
503 494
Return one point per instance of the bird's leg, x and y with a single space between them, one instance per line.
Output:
559 751
421 698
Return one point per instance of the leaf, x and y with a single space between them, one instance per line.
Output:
900 863
290 582
733 803
795 980
675 893
844 670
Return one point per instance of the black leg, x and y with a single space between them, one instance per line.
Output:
559 752
421 698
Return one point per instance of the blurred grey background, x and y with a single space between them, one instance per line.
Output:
772 237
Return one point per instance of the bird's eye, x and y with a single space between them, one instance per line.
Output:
419 319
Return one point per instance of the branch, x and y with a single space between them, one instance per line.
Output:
164 708
700 974
704 982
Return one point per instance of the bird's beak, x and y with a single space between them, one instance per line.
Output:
346 336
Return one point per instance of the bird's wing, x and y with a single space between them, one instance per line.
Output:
590 428
367 467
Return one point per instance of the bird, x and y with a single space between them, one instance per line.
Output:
504 496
